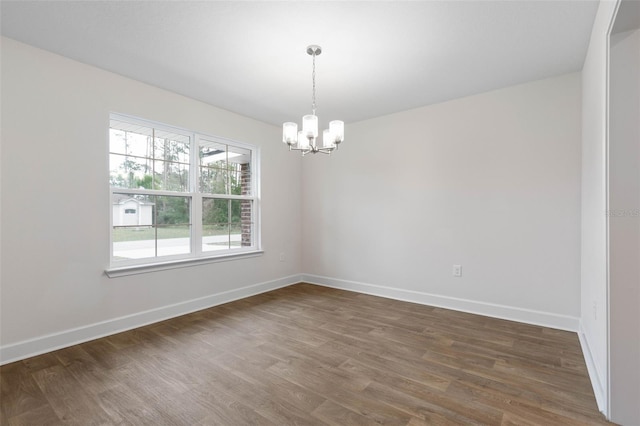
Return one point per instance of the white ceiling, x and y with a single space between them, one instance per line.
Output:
250 57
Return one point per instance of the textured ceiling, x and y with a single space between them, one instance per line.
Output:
250 57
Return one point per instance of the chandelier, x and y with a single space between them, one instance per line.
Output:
305 140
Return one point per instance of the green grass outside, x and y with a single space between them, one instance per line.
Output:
148 233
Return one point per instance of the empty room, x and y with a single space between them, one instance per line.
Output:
320 213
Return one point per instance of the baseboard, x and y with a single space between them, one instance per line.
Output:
32 347
599 388
51 342
545 319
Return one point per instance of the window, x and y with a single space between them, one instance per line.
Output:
178 195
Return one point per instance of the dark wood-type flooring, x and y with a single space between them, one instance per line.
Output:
309 355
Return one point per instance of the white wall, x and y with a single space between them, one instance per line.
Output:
55 116
594 295
624 226
491 182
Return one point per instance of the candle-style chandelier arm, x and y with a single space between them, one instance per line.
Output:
314 149
305 140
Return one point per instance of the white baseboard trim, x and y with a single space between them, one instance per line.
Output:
51 342
545 319
599 389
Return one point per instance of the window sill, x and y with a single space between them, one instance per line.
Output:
173 264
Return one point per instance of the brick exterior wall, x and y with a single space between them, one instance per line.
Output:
245 206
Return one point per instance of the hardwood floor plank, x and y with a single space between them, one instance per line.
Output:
19 393
383 372
415 421
124 407
342 390
510 419
552 374
309 355
337 415
106 354
472 345
403 395
262 400
456 359
527 411
223 409
518 406
410 366
431 405
255 372
419 341
284 348
86 370
41 416
73 407
320 378
161 392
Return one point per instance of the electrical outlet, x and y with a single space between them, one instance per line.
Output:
457 270
283 257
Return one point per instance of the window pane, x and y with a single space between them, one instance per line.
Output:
170 176
235 179
214 174
215 237
215 224
212 154
215 211
146 226
171 168
214 180
133 234
171 147
117 142
235 229
130 162
172 210
144 157
139 145
232 178
130 139
129 172
133 242
239 155
174 239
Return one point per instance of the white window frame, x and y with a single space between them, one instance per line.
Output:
118 267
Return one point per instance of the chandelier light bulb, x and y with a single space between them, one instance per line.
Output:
337 130
290 133
303 142
310 126
327 139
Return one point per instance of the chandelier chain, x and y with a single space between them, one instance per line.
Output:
313 78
